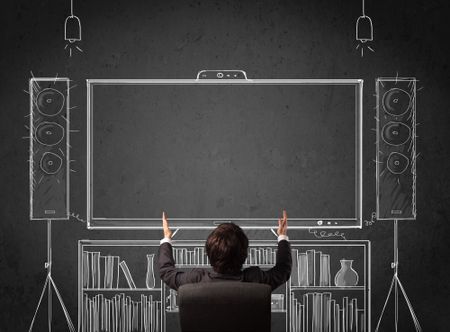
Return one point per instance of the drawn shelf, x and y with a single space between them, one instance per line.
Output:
176 311
194 266
118 287
121 289
335 277
330 288
124 279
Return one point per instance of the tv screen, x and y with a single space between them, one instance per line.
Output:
211 151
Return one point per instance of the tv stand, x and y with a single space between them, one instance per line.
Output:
351 301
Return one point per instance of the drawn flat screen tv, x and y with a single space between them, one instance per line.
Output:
209 151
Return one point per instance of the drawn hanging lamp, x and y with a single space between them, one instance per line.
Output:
72 27
364 27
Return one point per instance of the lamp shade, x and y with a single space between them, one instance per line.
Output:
364 29
72 29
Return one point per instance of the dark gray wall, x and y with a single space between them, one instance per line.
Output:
269 39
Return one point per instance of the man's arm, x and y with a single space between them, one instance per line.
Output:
281 272
277 275
168 273
166 263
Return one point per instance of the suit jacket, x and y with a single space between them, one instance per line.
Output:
274 277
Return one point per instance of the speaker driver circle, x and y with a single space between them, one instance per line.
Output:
49 133
50 102
395 133
397 163
50 163
396 101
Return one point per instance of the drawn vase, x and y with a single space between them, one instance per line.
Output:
346 276
150 276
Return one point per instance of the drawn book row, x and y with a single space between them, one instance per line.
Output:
310 269
197 256
318 312
121 314
103 272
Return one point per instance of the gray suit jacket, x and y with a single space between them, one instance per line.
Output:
274 277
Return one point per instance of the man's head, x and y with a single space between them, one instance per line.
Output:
226 248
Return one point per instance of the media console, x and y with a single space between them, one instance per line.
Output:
115 296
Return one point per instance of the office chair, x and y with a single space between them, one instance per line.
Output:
225 307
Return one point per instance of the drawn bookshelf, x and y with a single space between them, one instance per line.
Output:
316 302
133 305
114 291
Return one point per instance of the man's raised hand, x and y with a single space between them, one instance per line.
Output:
282 224
167 232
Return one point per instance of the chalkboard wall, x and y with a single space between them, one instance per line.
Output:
268 39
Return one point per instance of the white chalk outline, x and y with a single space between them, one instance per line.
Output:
51 123
366 287
50 286
390 156
401 124
412 107
34 84
260 223
364 40
222 74
364 245
62 105
42 158
397 89
71 16
364 17
72 40
396 284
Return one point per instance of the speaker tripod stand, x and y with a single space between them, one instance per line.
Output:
396 285
50 286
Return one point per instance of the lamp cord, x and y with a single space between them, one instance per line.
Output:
71 7
362 8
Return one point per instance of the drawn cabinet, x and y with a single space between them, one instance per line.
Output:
120 289
329 289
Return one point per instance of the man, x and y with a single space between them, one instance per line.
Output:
227 248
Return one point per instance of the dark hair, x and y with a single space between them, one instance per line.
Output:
226 248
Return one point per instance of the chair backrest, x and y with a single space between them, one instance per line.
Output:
225 306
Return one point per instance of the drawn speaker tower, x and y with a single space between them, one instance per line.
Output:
49 148
396 148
